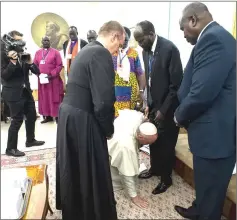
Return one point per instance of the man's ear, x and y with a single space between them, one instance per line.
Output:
152 33
194 21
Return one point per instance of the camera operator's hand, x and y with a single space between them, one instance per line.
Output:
30 61
13 56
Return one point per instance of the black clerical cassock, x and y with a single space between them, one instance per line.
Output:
83 180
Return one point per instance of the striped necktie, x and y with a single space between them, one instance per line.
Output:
151 59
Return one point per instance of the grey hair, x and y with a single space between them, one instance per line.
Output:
197 9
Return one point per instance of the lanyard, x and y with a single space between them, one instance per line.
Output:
121 58
44 56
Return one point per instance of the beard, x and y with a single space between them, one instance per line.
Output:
192 40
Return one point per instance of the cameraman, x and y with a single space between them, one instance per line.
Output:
17 93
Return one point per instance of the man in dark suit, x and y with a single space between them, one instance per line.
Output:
207 110
164 73
17 93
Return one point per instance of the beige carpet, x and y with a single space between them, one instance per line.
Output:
160 206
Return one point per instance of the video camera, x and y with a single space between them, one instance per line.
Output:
17 45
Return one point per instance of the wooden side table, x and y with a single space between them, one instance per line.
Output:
38 205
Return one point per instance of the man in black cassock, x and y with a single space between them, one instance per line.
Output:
83 180
164 73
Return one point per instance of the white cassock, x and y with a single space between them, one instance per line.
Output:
123 151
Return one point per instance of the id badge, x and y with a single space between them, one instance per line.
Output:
120 70
69 56
42 62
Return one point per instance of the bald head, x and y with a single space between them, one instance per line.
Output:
45 42
194 18
195 8
91 36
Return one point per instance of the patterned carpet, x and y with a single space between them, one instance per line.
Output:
160 206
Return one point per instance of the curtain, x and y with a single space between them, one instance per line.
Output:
234 26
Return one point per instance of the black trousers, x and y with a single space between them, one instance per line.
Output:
162 151
24 107
211 177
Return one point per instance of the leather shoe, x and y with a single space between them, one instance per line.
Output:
15 153
161 188
145 175
185 212
46 120
34 143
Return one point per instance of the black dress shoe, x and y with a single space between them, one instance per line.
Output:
15 153
145 175
34 143
161 188
186 213
47 119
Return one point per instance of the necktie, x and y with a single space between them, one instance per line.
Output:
151 59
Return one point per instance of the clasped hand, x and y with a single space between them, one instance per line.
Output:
158 115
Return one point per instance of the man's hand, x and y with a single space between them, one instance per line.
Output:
13 56
159 116
30 61
146 113
177 124
49 76
142 96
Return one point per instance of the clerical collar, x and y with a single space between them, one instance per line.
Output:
154 44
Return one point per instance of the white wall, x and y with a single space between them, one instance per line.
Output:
222 12
84 15
91 15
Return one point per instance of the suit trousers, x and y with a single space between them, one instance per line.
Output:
162 151
24 107
211 177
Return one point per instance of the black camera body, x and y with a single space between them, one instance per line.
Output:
9 43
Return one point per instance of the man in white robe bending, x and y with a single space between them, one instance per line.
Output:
129 134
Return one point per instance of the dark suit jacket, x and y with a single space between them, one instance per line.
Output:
208 95
166 77
13 77
82 44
